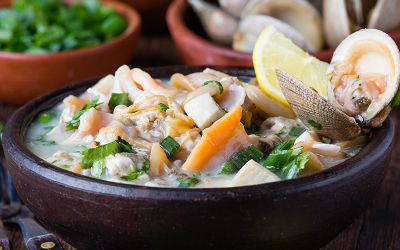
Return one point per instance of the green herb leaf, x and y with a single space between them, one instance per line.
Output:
188 182
76 118
54 161
46 117
169 145
296 131
216 83
280 131
119 99
162 107
357 79
315 124
135 175
238 160
125 146
396 99
291 170
1 127
66 166
94 155
359 150
198 174
226 111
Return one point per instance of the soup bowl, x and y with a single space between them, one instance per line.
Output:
88 213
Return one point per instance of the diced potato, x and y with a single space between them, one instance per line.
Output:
308 136
203 110
253 173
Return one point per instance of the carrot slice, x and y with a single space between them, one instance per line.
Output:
213 137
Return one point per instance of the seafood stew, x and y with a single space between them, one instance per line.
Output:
204 129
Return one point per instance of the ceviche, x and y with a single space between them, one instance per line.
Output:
210 129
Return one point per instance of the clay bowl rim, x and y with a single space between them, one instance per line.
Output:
127 12
176 23
19 122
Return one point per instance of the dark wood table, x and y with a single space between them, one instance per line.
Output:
377 228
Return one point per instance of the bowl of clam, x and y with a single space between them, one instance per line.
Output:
226 30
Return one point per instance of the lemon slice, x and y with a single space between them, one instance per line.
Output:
273 50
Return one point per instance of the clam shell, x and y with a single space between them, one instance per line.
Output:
233 6
385 15
252 26
218 24
310 106
299 14
385 60
336 22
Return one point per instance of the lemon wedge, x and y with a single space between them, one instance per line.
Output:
273 50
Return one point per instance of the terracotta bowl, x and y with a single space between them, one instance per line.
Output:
151 11
303 213
196 49
25 76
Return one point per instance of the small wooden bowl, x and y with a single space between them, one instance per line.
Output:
197 50
88 213
25 76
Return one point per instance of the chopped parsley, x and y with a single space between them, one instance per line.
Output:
66 166
359 150
1 127
169 145
315 124
296 131
238 160
44 141
188 182
357 79
198 174
226 111
134 175
76 118
162 107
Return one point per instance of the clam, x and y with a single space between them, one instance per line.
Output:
219 25
342 17
233 6
251 27
299 14
364 79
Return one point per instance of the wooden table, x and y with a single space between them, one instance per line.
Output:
377 228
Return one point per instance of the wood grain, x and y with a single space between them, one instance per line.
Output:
377 228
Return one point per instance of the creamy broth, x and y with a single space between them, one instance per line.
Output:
136 133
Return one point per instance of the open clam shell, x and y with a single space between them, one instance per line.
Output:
364 76
218 24
336 22
233 6
385 16
299 14
315 111
252 26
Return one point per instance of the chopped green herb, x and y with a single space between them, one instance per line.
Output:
162 107
290 170
42 26
54 161
216 83
357 79
257 135
66 166
169 145
96 157
238 160
296 131
46 117
396 99
1 127
226 111
359 150
198 174
315 124
44 141
125 146
208 174
188 182
119 99
135 175
280 131
76 118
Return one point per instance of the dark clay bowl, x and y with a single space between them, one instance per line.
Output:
304 213
196 49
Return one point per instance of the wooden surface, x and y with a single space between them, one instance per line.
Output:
377 228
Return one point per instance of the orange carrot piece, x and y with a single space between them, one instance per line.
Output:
213 137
